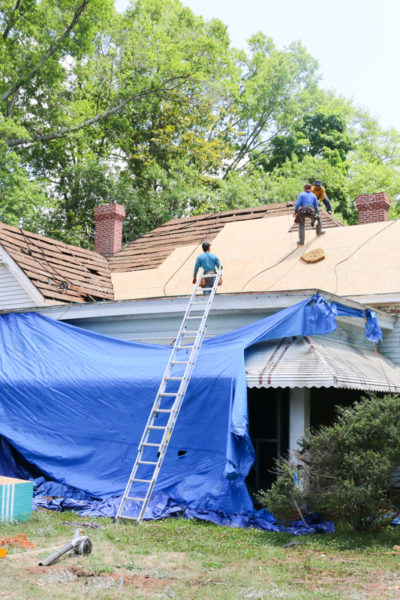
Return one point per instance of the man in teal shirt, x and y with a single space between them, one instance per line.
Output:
210 263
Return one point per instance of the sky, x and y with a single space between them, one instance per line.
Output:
356 42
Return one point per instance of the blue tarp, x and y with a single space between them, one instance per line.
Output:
73 406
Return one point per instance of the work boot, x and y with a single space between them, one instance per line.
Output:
321 233
301 243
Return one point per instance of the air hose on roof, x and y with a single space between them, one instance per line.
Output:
288 205
357 249
180 267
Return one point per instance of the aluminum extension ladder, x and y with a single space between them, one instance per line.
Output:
167 404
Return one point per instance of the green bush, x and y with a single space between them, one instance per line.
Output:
285 498
347 469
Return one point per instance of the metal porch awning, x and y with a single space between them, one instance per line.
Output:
319 361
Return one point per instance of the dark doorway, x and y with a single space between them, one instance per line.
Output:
269 432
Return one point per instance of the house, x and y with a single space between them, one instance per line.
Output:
139 293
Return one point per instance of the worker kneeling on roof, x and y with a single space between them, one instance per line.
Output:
319 190
307 208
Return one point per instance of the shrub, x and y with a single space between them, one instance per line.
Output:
285 498
347 468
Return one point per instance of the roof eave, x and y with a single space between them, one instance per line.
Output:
158 307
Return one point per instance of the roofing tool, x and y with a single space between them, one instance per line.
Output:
80 544
168 401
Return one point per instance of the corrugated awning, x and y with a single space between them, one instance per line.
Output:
319 362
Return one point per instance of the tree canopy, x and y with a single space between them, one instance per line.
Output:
155 109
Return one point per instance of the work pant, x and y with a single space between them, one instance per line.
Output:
302 225
209 281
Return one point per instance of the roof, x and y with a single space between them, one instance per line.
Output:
320 361
257 247
261 255
150 251
60 271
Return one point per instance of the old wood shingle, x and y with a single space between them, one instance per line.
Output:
59 271
66 273
149 251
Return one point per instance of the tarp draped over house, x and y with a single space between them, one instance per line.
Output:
373 332
74 404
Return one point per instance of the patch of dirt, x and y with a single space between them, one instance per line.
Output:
376 585
129 579
36 570
79 571
382 584
76 570
142 581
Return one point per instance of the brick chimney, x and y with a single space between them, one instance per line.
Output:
108 232
373 208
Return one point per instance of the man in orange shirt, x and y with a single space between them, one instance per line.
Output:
319 190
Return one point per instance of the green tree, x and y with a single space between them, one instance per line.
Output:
41 43
89 94
254 186
318 134
155 109
132 104
270 92
22 197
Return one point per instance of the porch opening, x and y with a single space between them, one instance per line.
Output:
269 432
269 419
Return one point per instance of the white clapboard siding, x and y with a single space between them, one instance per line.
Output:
12 293
391 343
163 329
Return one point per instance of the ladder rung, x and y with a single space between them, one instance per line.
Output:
200 305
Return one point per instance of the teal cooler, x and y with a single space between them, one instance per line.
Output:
15 499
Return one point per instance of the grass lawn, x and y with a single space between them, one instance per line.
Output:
178 559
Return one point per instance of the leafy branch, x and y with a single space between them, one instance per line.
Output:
65 131
11 91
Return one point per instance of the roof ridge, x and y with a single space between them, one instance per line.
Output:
225 213
164 239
